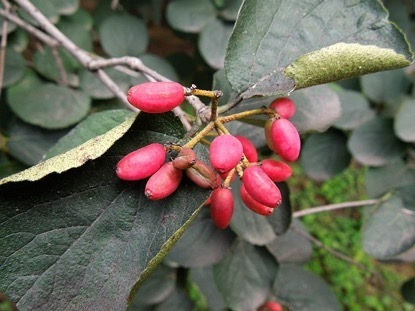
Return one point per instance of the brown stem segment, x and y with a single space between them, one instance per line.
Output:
229 178
241 115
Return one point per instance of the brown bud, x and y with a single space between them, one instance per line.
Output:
185 159
202 175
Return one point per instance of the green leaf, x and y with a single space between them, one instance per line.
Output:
302 290
291 247
51 106
248 225
29 144
76 157
177 301
404 124
245 276
386 86
281 45
161 65
80 17
102 236
18 41
212 43
46 7
310 103
9 166
355 110
203 277
76 32
93 86
380 180
94 125
156 288
189 15
390 230
374 143
123 35
14 67
325 155
65 7
230 11
280 220
201 245
408 290
254 133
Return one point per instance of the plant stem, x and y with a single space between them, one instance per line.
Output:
249 113
331 207
228 179
208 128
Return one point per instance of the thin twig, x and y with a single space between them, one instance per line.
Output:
331 207
3 45
183 118
63 76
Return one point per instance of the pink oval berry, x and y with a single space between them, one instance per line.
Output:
156 97
185 159
163 183
221 207
225 153
267 130
254 205
285 139
284 106
271 306
277 171
203 176
141 163
260 187
248 149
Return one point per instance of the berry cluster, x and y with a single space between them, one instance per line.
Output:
229 155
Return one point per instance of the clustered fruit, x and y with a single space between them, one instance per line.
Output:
228 155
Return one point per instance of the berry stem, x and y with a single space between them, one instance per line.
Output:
241 115
229 178
208 128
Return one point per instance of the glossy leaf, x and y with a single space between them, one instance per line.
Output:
374 143
390 230
14 67
102 237
245 276
281 45
325 154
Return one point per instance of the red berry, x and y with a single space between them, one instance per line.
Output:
221 207
164 182
260 187
248 148
277 171
284 106
141 163
271 306
185 159
254 205
267 129
156 97
207 202
285 139
225 153
203 176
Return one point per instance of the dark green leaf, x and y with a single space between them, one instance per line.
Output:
291 247
46 7
123 34
230 11
302 290
374 143
404 121
14 67
9 166
93 86
80 17
18 41
383 179
156 288
408 290
29 144
325 155
281 45
189 15
212 43
51 106
94 125
177 301
385 86
248 225
203 277
201 245
310 104
160 65
65 7
254 133
280 220
390 230
220 82
102 236
245 276
76 32
355 110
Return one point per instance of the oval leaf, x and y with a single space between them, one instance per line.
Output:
14 67
404 123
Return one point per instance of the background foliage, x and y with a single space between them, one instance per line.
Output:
66 233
